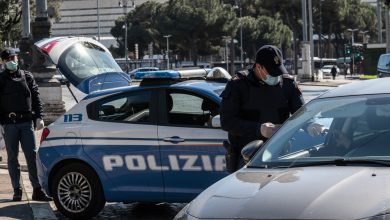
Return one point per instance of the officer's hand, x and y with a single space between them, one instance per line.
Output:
39 124
268 129
315 129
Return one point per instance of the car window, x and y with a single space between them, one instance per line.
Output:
132 107
302 139
190 110
86 59
351 127
384 61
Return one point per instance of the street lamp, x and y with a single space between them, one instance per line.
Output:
226 39
168 36
124 5
98 18
241 49
353 33
363 35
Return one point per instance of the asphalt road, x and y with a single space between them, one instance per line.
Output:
310 92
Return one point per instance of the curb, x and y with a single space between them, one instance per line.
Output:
329 83
322 84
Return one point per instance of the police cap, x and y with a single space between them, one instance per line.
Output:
6 53
272 59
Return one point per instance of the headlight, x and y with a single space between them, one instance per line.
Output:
183 215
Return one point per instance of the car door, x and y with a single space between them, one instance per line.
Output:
192 154
121 138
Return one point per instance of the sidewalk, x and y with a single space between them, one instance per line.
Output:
8 208
340 80
25 209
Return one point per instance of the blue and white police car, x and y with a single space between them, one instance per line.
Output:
154 142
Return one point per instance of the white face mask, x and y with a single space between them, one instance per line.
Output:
272 80
11 65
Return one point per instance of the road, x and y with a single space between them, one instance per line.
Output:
156 211
310 92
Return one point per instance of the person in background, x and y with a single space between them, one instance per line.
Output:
333 71
256 102
20 113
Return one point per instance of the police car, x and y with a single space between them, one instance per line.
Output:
155 142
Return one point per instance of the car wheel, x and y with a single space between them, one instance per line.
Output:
77 192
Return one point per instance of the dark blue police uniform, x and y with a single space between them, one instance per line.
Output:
248 102
20 105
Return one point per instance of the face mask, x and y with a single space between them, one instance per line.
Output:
272 80
11 65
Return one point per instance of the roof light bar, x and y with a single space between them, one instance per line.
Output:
172 74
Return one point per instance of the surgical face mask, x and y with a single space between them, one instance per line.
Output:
272 80
11 65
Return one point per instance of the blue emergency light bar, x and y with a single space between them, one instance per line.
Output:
172 74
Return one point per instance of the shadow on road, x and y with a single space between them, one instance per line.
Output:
139 211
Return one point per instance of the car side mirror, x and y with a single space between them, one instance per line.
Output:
250 149
216 121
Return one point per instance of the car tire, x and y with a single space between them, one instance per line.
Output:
68 197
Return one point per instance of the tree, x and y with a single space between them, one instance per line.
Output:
289 12
11 12
264 30
140 26
337 19
332 17
196 26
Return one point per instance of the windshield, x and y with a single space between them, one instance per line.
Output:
84 59
331 129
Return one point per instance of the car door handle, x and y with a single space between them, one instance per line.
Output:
174 139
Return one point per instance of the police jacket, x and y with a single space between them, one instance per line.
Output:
19 94
248 102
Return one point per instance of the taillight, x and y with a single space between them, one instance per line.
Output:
44 135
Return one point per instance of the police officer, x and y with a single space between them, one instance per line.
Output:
20 107
256 102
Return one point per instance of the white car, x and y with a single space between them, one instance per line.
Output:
326 70
330 160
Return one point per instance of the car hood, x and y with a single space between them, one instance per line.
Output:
85 62
299 193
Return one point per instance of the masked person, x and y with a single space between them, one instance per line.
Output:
20 111
256 102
